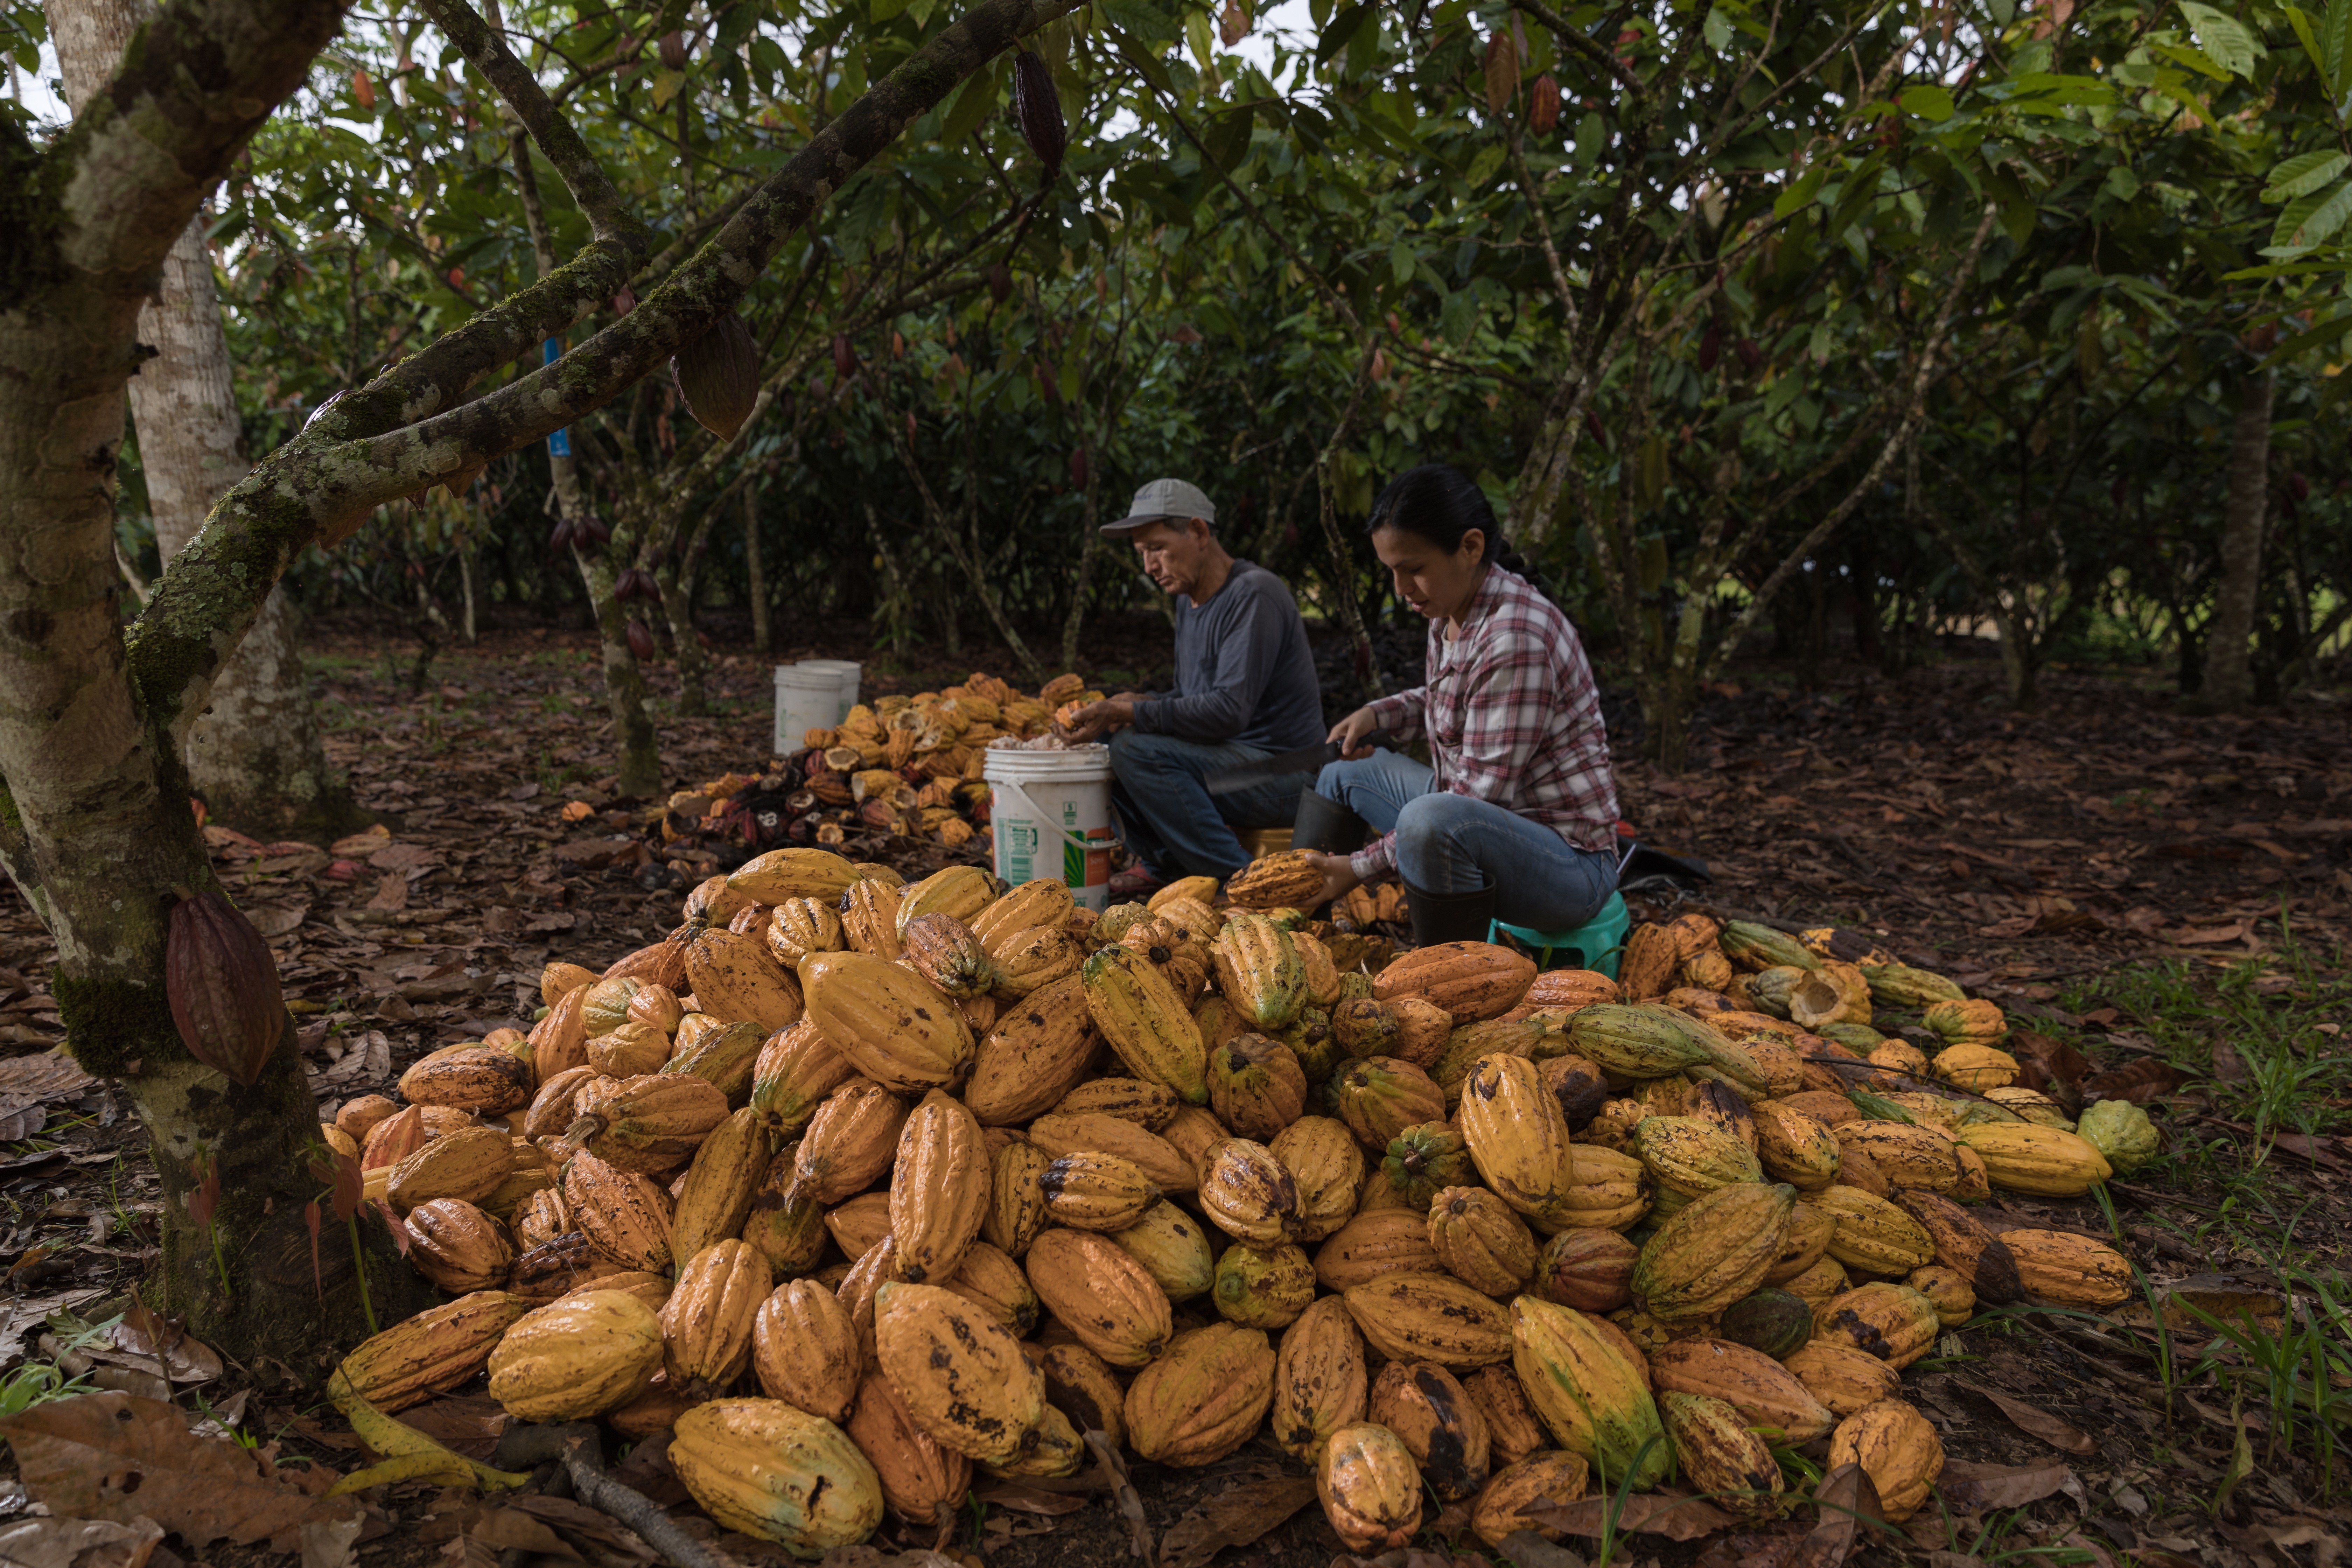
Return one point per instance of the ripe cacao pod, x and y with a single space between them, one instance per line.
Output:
1482 1241
805 1351
432 1352
457 1246
1713 1251
1327 1168
2072 1270
1431 1317
761 1467
1841 1379
624 1216
1589 1390
1319 1383
1173 1248
1255 1086
892 1025
1587 1269
1730 1466
1035 1055
939 1189
1374 1245
1100 1294
2041 1161
1468 979
1767 1395
1369 1488
1262 1288
707 1319
577 1358
1896 1448
1248 1193
718 374
1097 1192
794 1071
1438 1423
1540 1478
1146 1022
960 1373
1016 1198
1204 1398
1893 1323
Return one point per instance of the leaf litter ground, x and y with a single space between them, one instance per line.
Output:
2160 902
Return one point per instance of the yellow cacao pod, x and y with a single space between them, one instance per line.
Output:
1514 1431
1204 1398
1016 1198
708 1321
1590 1391
1841 1379
1542 1478
457 1246
626 1216
1319 1384
960 1373
1375 1244
1438 1423
892 1025
761 1467
1246 1194
1794 1147
432 1352
805 1352
939 1189
1714 1251
1896 1448
1102 1295
1518 1137
1262 1286
577 1358
1482 1241
1767 1395
1326 1167
2072 1270
2041 1161
1727 1464
1893 1323
1173 1248
1431 1317
1146 1022
721 1183
1369 1488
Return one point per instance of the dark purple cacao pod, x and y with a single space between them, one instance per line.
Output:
589 530
559 538
1039 112
1000 285
1710 346
1751 358
641 640
222 985
719 376
2298 486
654 557
845 358
1078 469
673 51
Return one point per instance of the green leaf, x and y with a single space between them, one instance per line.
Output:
1343 29
2304 173
971 106
666 86
1402 263
1927 101
2301 23
1147 65
1719 30
1483 167
2327 332
1801 195
1226 138
2192 57
2223 37
2311 220
2121 182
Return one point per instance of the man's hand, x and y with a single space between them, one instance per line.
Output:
1340 877
1350 733
1101 717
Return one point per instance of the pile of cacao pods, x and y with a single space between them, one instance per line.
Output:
912 765
856 1186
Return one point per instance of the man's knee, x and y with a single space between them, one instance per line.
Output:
1133 752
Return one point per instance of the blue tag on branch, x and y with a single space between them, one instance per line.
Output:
559 444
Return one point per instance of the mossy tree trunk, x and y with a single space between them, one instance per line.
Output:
95 827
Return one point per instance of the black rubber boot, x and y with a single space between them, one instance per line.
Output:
1450 917
1326 825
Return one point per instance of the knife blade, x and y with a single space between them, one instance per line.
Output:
1306 759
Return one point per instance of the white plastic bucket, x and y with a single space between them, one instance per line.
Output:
846 671
1050 813
805 699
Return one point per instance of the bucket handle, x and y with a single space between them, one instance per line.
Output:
1038 817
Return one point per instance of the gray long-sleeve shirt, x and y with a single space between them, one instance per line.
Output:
1244 671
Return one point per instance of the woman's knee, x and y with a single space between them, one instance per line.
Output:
1424 827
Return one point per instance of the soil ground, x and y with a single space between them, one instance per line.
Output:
2159 895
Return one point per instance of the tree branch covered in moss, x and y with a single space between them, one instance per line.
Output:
413 427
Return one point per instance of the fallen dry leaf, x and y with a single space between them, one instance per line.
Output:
1022 1499
2144 1082
2039 1423
115 1457
1976 1488
47 1075
1236 1517
78 1542
1674 1515
1849 1502
1525 1548
468 1423
2059 1060
1752 1549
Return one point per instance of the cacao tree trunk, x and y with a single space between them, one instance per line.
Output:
2229 685
254 756
95 828
756 577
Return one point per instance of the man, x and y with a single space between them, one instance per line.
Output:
1245 689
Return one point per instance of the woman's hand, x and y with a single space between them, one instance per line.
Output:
1350 731
1340 877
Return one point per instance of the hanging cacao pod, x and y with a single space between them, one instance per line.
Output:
641 640
845 358
221 985
1543 105
1039 111
1000 282
673 51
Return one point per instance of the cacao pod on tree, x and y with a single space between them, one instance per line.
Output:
221 985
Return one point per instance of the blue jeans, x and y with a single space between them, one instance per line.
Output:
1167 816
1455 844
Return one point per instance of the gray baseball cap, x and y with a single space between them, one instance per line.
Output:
1162 500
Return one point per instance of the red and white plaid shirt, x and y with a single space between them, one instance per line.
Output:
1512 716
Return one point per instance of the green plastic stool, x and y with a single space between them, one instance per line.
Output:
1598 944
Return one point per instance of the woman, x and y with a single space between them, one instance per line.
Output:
1517 819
